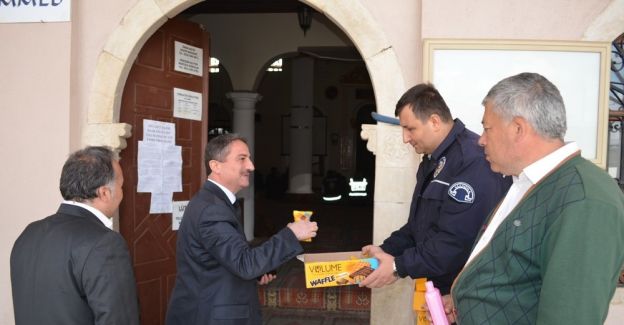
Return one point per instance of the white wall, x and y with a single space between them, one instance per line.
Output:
34 110
528 19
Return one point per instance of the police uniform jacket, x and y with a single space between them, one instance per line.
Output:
455 191
217 270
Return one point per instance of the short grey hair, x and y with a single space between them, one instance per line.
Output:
532 97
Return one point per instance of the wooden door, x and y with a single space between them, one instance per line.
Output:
148 94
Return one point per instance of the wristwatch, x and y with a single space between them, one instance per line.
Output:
394 269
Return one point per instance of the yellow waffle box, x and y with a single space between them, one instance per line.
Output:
337 269
303 215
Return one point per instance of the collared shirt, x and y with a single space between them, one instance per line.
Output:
529 176
229 194
105 220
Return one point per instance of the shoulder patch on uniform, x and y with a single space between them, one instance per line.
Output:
461 192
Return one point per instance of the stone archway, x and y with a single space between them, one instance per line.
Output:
146 16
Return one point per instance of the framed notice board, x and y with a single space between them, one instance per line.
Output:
465 70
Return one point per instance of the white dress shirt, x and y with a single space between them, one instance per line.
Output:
529 176
229 194
105 220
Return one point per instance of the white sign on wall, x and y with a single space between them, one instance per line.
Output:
187 104
188 58
34 11
158 131
178 213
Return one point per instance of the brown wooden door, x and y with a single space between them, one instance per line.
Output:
148 94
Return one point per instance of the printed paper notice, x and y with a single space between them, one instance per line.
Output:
178 212
187 104
159 168
172 168
188 59
161 203
160 132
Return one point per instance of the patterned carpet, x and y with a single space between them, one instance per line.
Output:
287 301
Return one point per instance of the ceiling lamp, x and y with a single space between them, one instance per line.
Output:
304 15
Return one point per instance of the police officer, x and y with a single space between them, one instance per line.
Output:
455 191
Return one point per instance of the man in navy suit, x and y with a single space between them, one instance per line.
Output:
71 268
217 269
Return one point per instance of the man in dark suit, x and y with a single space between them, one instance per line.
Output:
217 269
71 268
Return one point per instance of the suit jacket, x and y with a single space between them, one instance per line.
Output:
217 268
70 269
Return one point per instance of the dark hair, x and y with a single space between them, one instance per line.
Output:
85 171
424 100
218 148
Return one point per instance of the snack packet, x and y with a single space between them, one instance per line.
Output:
303 215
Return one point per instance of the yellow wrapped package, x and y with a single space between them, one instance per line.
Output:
420 314
303 215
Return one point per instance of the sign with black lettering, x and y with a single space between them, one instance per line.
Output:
178 213
34 11
188 58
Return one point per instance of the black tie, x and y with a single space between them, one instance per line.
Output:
237 208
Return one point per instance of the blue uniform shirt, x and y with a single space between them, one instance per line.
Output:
455 191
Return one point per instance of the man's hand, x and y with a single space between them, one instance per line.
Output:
449 309
371 250
303 229
266 278
384 274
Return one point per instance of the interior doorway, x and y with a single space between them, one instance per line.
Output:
341 87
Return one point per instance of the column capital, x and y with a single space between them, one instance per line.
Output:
244 96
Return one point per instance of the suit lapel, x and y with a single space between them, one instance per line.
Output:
214 190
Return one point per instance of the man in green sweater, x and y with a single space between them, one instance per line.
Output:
552 250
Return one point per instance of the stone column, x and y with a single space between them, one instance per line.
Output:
243 123
301 117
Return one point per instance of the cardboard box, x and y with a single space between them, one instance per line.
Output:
337 269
